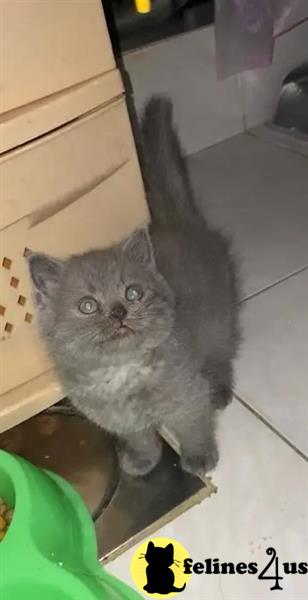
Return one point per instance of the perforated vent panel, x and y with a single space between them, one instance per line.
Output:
15 298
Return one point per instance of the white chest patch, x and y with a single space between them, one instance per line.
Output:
119 379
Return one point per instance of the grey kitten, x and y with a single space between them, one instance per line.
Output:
143 334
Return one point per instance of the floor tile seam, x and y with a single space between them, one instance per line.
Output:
272 427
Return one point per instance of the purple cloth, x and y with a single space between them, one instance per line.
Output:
245 31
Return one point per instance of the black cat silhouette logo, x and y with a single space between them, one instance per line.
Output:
157 568
159 575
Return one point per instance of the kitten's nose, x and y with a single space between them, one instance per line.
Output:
118 311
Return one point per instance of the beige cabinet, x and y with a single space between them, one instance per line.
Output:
69 174
48 46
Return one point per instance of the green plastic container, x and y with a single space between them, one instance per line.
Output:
49 551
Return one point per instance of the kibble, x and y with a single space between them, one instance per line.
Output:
6 515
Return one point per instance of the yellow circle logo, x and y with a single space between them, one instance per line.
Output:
158 568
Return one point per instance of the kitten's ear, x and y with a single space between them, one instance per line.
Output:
138 248
45 272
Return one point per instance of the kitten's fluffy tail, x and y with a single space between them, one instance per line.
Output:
166 175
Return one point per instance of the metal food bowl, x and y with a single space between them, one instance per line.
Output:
124 509
72 447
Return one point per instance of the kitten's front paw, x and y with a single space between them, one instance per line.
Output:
199 464
138 466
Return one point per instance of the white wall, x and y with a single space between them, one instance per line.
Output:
208 111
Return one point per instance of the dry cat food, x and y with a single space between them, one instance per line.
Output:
6 515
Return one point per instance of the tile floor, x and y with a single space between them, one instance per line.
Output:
259 192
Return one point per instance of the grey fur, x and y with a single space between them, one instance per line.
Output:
172 365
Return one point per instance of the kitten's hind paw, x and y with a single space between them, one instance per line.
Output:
198 464
222 397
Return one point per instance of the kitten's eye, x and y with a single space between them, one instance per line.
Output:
134 293
88 305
